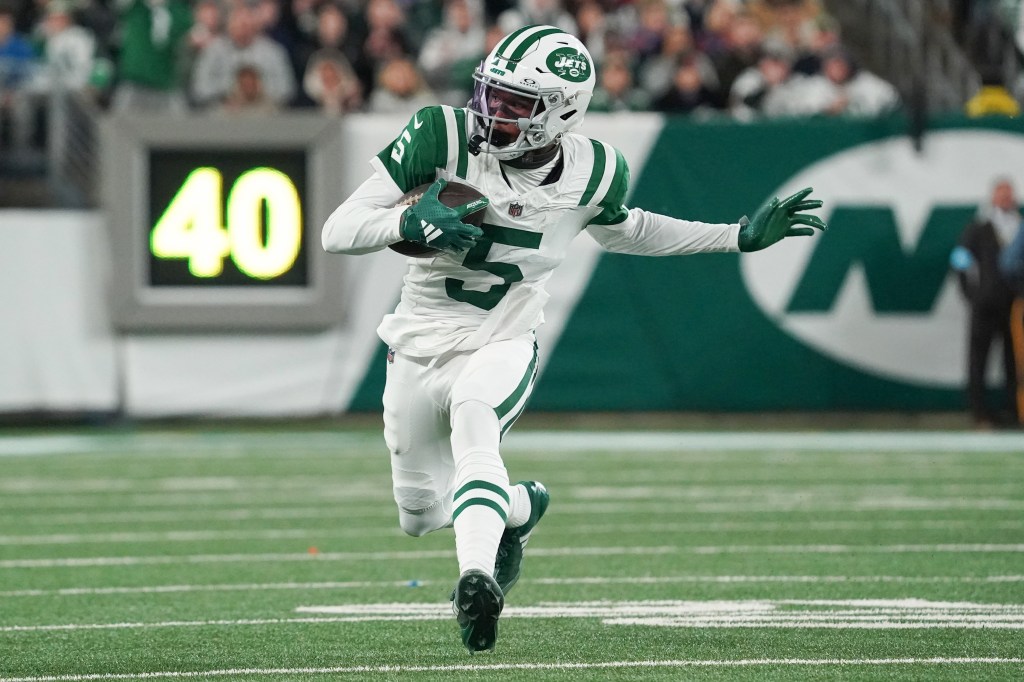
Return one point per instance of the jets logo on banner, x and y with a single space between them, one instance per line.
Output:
875 291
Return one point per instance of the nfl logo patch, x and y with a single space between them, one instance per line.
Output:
391 356
515 209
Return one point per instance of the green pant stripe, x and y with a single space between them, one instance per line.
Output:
524 383
510 422
596 173
482 502
482 485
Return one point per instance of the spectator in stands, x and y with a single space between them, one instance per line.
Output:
451 48
331 83
275 24
535 13
207 24
595 29
733 46
689 93
793 22
66 67
149 70
993 99
400 89
216 70
658 72
247 95
615 90
68 51
16 53
305 15
17 59
330 39
844 89
386 39
654 18
976 261
767 89
825 39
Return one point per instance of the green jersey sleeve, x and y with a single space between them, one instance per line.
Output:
413 157
612 205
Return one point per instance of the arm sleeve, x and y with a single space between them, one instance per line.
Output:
652 234
364 222
368 221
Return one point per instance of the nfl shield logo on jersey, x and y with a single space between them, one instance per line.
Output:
515 209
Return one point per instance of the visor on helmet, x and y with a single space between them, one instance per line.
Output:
504 114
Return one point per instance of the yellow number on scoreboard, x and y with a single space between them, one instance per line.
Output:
262 234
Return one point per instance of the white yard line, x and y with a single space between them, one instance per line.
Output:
197 536
335 508
77 562
832 441
349 443
584 529
583 580
873 614
255 512
602 665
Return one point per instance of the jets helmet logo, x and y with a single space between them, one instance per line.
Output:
569 64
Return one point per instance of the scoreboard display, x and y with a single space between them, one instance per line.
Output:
227 218
215 224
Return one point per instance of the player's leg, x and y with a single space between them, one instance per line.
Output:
487 395
417 433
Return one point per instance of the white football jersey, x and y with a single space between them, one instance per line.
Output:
495 290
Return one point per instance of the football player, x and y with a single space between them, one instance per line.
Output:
462 356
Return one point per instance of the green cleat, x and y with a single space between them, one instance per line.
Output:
477 603
509 561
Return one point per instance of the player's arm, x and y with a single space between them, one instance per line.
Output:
641 232
636 231
652 234
368 220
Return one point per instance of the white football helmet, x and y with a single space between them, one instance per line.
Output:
534 87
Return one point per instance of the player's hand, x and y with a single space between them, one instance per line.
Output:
430 222
775 220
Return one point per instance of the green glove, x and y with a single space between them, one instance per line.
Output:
775 220
430 222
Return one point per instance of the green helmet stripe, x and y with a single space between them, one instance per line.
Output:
529 41
596 173
511 38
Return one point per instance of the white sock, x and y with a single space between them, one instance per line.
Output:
481 500
519 506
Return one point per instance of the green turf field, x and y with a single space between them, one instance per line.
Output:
275 555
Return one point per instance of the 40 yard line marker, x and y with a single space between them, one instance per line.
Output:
343 670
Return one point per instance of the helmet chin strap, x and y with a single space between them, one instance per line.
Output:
534 158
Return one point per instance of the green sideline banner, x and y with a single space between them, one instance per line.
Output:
863 317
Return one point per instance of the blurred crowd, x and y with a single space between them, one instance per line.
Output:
740 58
